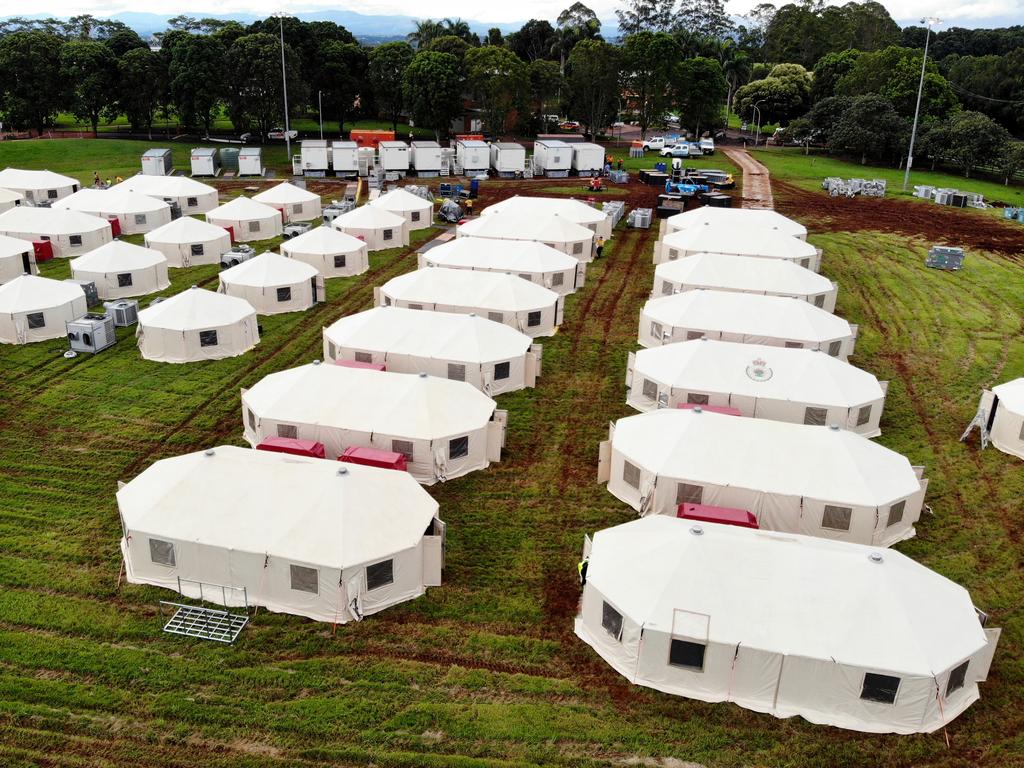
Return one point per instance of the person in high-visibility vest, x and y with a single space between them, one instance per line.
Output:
582 568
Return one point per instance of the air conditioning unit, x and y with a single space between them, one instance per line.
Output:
125 312
91 333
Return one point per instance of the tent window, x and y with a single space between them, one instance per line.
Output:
456 372
403 447
691 335
1021 435
75 239
794 345
815 416
332 351
288 430
124 280
415 216
694 398
834 347
896 513
558 278
387 301
666 288
254 226
673 253
207 338
339 261
496 317
284 294
687 654
252 420
197 249
297 208
191 202
863 415
611 620
631 474
364 357
957 678
161 552
880 688
502 370
525 276
35 320
458 447
836 518
686 493
533 319
819 300
52 194
140 218
415 306
805 263
389 234
305 579
577 248
650 389
657 330
380 574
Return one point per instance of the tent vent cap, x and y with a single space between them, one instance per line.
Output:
834 427
342 470
472 314
193 287
698 409
209 452
316 362
696 530
876 557
423 374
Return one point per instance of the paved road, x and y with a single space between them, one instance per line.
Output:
757 184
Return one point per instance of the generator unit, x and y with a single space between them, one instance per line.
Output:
945 257
314 158
205 162
91 333
124 312
92 296
345 158
250 161
157 162
394 156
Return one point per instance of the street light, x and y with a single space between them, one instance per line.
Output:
320 110
928 21
281 16
757 137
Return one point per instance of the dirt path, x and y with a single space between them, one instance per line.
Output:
757 184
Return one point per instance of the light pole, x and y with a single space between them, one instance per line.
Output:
757 136
284 84
320 110
928 21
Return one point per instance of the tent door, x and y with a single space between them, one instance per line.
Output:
530 369
629 369
376 296
985 657
604 461
27 263
559 310
433 554
588 544
496 435
538 352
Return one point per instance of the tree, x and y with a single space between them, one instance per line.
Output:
974 139
424 33
196 75
460 28
644 16
780 96
997 81
648 59
737 68
386 70
341 77
535 40
456 46
1012 160
494 37
254 94
500 83
871 128
432 89
895 73
806 31
545 84
123 41
593 82
30 94
89 69
825 116
700 89
140 79
575 23
706 18
829 70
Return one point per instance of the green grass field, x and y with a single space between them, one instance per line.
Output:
484 670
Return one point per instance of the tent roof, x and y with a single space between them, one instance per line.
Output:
165 186
787 594
10 196
441 335
771 457
242 209
748 273
545 227
739 240
510 255
196 309
323 240
52 221
107 201
23 179
13 246
29 293
401 404
268 270
797 375
465 287
368 217
737 218
291 507
1011 395
118 256
186 230
285 194
780 317
574 210
398 200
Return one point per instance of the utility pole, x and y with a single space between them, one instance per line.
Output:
928 21
757 137
320 110
284 85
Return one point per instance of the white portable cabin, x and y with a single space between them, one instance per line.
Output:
733 218
69 232
205 161
576 211
1004 410
417 211
745 318
135 213
445 429
473 155
552 157
839 634
313 538
120 269
197 325
529 308
393 156
508 159
550 229
34 308
378 228
190 195
298 204
536 262
737 241
248 220
795 478
801 386
273 284
345 158
587 159
17 258
330 252
744 274
38 186
314 154
10 199
425 157
491 356
188 242
157 162
250 161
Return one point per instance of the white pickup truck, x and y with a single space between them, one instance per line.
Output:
654 142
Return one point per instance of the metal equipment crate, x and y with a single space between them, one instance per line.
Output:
639 218
945 257
202 621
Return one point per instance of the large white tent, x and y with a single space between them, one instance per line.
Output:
746 318
188 242
536 262
247 219
70 233
1003 408
734 218
556 231
297 535
298 204
377 227
121 269
417 211
744 274
10 199
444 428
529 308
491 356
190 195
197 325
273 284
135 213
38 186
826 482
36 308
839 634
736 241
575 211
330 252
801 386
16 258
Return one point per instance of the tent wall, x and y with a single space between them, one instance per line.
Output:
1007 433
266 228
66 246
354 263
378 239
562 281
414 219
307 210
181 254
135 224
14 266
666 287
14 328
144 281
265 300
550 316
168 345
666 252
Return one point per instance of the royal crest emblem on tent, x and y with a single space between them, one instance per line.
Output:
758 370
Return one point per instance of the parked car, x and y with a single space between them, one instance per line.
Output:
278 133
654 143
707 146
569 125
237 255
682 149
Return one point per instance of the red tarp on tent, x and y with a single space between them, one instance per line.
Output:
115 226
727 410
295 447
372 457
43 250
356 364
724 515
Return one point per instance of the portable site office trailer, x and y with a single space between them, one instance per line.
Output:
314 156
473 155
250 161
205 162
587 159
425 157
394 156
552 158
508 159
157 162
344 158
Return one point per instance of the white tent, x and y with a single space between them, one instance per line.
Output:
508 299
298 204
837 633
418 212
802 479
135 213
16 258
1003 407
734 218
736 241
744 274
188 242
575 211
70 233
801 386
191 196
491 356
38 186
536 262
747 318
330 252
378 228
274 284
10 199
121 269
444 428
36 308
556 231
197 325
297 535
247 219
